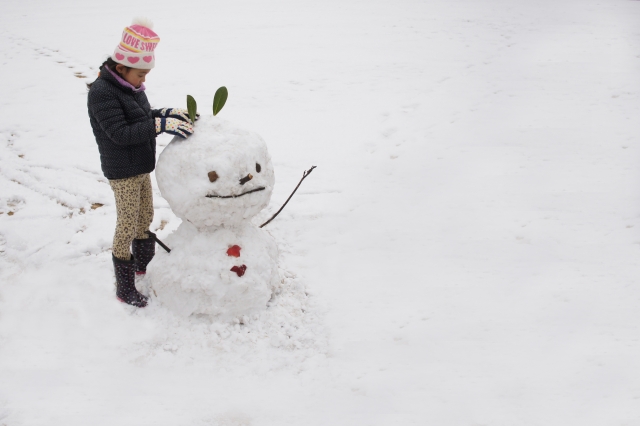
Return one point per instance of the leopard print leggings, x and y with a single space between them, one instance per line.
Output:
134 207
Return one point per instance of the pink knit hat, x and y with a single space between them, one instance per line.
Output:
137 46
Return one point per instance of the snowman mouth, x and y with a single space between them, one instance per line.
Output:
261 188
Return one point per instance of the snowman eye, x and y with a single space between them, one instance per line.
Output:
213 176
258 168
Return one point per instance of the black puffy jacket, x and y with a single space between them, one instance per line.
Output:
124 126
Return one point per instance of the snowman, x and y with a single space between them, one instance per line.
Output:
220 263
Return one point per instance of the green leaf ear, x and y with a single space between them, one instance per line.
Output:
219 99
192 107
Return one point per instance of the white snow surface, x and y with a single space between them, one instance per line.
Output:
465 253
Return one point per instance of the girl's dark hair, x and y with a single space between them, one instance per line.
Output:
112 66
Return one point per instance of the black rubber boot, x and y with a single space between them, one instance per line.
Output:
126 282
143 252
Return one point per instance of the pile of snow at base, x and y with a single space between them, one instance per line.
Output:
220 264
288 334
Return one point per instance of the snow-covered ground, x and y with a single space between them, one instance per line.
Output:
466 253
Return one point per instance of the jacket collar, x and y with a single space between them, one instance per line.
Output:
113 77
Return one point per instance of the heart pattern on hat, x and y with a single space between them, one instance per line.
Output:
147 59
119 56
132 59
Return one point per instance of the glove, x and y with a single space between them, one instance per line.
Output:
180 114
173 126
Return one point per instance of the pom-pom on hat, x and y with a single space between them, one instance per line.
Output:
136 48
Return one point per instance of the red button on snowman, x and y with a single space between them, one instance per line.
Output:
220 264
235 252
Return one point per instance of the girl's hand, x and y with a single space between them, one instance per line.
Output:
174 126
179 113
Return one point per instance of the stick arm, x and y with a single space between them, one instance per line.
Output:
304 175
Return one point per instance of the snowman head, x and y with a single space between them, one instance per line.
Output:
220 176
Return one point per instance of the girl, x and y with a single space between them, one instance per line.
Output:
125 128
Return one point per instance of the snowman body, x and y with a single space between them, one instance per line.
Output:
220 264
